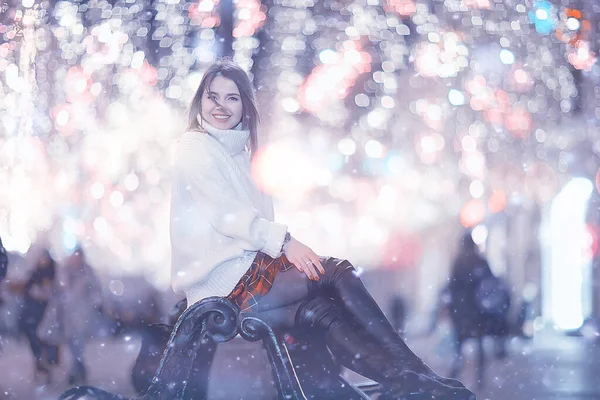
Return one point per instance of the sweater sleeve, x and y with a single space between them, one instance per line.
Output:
198 165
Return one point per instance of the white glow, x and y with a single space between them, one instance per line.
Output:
116 199
343 187
67 20
468 144
10 124
97 190
473 164
243 14
386 201
434 112
314 95
374 149
131 182
328 56
68 225
387 102
573 24
290 105
456 97
323 178
302 220
507 57
541 14
376 119
283 169
331 219
19 242
62 118
206 6
69 240
347 146
428 144
77 29
368 230
427 60
80 84
137 60
568 269
476 189
100 225
479 234
96 88
13 80
395 164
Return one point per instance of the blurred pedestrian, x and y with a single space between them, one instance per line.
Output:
3 271
440 310
50 333
478 303
398 313
155 337
3 264
3 261
81 307
38 292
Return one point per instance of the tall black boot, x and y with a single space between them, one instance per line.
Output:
342 281
326 315
358 351
318 373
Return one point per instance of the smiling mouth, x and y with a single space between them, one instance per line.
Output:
221 117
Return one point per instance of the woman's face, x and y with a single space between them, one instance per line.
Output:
222 103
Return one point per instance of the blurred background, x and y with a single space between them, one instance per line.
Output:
389 129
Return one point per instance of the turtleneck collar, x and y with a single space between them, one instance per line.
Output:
234 140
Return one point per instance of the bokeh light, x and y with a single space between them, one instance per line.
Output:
472 213
376 120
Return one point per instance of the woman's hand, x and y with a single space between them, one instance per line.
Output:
304 259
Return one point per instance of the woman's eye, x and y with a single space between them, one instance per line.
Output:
233 98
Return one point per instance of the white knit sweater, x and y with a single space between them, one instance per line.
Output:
219 218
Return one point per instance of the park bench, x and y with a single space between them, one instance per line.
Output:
300 364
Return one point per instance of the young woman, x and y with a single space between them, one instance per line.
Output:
225 243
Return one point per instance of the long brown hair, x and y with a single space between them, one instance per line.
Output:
230 70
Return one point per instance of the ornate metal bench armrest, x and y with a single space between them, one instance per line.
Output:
212 320
214 317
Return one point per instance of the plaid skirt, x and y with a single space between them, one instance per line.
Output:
257 281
